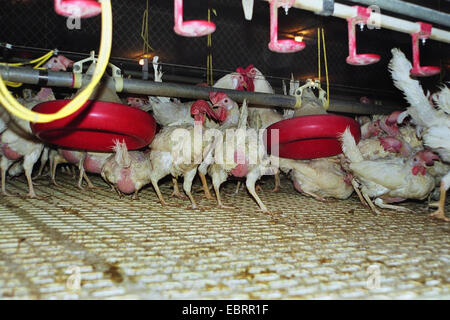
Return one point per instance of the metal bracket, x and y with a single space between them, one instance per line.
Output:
78 66
328 8
310 84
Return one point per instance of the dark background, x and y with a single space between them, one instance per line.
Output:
236 42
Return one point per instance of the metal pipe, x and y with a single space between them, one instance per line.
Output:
410 9
167 89
387 22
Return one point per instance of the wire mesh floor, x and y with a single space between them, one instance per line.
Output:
125 249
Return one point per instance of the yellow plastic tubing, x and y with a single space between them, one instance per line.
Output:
38 61
13 106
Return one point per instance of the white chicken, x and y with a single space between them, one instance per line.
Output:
388 180
246 161
17 141
73 157
318 178
178 151
435 122
127 171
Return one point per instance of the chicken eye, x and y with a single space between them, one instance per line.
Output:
226 100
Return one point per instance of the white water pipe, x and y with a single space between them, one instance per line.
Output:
387 22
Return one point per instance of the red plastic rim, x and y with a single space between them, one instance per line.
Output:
310 137
286 46
95 126
196 28
363 59
81 8
425 71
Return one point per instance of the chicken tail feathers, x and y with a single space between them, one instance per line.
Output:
349 147
122 156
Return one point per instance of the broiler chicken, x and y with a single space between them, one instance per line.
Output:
318 178
388 180
435 122
178 151
260 118
127 171
241 144
382 147
72 157
18 142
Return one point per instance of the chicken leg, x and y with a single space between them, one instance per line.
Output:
44 159
440 212
205 186
370 203
5 164
217 180
277 183
176 190
250 183
28 162
158 192
187 185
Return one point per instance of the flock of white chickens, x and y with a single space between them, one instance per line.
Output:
398 158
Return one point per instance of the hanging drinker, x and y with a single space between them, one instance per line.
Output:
192 28
364 59
77 8
284 45
417 70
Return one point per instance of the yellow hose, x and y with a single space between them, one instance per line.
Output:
39 61
13 106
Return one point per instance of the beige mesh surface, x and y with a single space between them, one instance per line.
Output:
137 249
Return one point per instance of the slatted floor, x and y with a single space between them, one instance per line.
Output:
139 250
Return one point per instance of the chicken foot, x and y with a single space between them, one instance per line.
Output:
379 202
440 212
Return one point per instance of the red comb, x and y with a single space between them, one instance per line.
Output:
215 97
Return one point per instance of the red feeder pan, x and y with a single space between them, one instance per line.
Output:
78 8
95 126
310 137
